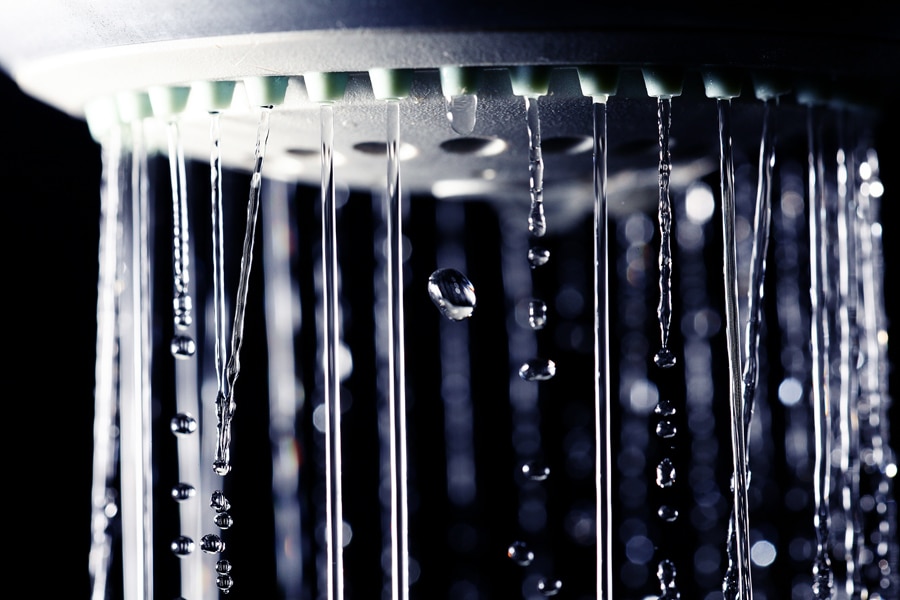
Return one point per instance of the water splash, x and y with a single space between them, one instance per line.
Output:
225 404
665 358
741 524
537 222
452 293
461 112
181 301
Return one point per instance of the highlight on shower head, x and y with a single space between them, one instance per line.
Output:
583 426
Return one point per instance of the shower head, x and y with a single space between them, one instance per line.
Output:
109 54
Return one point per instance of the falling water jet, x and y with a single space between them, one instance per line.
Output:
325 89
723 87
822 573
392 86
599 84
531 83
664 84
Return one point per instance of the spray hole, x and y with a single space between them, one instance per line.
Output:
406 152
575 144
475 146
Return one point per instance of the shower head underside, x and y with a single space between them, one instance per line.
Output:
110 57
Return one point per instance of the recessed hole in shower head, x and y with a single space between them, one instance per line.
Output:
303 152
476 146
573 144
406 152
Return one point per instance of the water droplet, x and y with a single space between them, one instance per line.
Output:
219 502
221 467
223 520
667 513
665 473
538 256
520 553
537 314
666 574
549 587
452 293
183 307
665 358
183 424
183 491
665 408
182 546
461 111
666 429
182 346
537 221
224 582
212 544
223 566
535 471
537 370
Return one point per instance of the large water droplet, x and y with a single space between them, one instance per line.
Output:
452 293
182 546
183 491
212 544
224 582
520 553
667 513
666 429
665 408
219 502
549 587
221 467
537 370
538 256
223 566
665 473
183 424
183 346
535 471
537 314
223 520
665 358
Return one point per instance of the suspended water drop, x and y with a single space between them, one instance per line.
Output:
665 358
182 346
461 111
452 293
219 502
666 429
212 544
182 546
666 574
665 408
220 467
667 513
520 553
183 491
537 370
224 582
223 566
183 424
538 256
223 520
549 587
537 314
535 471
665 473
